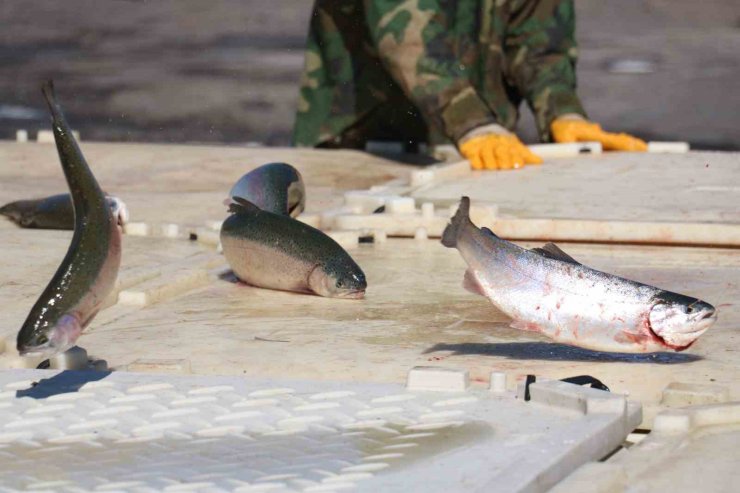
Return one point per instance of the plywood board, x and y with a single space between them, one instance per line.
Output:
698 187
416 313
183 184
30 258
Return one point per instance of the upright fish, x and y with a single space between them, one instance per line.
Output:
273 187
54 212
278 252
89 270
545 290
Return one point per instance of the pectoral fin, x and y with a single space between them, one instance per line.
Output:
470 283
528 326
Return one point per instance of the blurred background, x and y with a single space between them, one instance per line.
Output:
227 71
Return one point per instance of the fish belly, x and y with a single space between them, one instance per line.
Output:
573 316
264 266
105 279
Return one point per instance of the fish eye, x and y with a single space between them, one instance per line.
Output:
42 339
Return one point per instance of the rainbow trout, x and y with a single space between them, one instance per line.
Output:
273 187
54 212
89 269
545 290
278 252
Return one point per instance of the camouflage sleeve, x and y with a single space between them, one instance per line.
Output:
541 54
415 40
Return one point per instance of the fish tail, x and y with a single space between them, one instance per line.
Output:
458 221
47 88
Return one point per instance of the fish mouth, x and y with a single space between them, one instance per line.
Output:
33 352
709 316
356 294
702 321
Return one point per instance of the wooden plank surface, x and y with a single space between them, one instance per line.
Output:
649 196
415 313
186 185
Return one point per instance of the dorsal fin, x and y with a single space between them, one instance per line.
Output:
551 250
240 205
488 232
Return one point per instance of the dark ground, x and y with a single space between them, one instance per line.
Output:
227 71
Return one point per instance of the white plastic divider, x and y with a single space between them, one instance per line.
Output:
72 431
690 449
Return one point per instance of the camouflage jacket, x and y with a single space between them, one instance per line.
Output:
461 63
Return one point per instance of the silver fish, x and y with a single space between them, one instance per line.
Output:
545 290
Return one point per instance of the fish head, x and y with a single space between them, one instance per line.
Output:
118 209
339 279
20 212
48 339
679 320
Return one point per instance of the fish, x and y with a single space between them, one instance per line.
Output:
275 251
54 212
545 290
273 187
88 272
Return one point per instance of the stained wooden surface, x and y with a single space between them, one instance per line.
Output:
415 313
698 187
182 184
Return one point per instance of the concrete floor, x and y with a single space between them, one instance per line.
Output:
227 71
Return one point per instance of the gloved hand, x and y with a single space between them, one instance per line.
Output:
497 151
580 130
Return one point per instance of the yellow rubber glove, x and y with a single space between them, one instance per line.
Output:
496 151
568 130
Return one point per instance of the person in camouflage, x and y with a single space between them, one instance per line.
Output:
444 70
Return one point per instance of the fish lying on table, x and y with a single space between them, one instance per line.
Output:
54 212
273 187
89 269
545 290
278 252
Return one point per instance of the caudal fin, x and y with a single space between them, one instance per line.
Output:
458 221
47 88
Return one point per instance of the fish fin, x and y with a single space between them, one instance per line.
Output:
488 232
528 326
296 198
471 283
551 250
460 219
240 205
47 88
